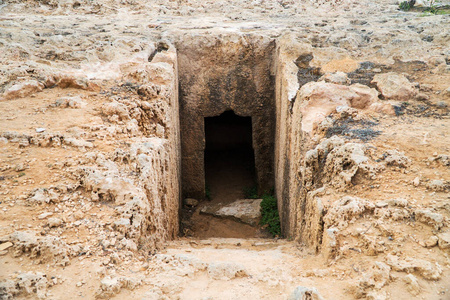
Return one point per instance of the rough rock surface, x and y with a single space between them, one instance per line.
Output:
22 89
394 86
226 271
345 210
304 293
444 240
25 284
375 279
396 158
413 285
345 162
110 286
431 218
319 99
425 268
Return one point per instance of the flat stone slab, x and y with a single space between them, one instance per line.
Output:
244 210
5 246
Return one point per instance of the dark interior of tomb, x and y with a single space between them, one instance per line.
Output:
229 157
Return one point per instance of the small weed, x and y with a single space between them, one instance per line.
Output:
429 14
433 10
21 174
269 215
251 192
443 12
405 6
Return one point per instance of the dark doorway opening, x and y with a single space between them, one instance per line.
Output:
229 171
229 157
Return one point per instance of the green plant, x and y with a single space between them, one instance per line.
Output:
269 215
21 174
428 13
443 12
404 6
432 9
207 192
251 192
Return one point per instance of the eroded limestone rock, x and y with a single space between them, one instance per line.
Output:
54 222
319 99
426 216
394 86
305 293
25 284
377 277
345 209
23 89
444 240
438 185
345 162
425 268
396 158
105 186
330 243
43 248
110 286
336 78
70 102
340 163
226 270
42 195
413 284
431 241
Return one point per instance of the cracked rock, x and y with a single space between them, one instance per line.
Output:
226 270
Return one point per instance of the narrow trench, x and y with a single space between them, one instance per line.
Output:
227 128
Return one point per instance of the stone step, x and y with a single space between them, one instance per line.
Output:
229 243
